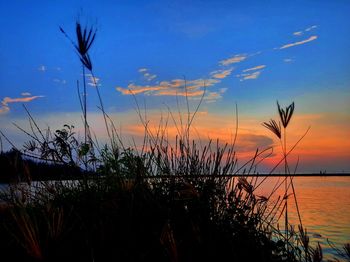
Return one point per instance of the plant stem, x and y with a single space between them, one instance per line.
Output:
286 183
84 106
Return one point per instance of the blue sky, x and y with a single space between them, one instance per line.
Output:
252 53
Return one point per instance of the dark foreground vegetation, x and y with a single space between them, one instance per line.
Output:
168 200
15 167
114 219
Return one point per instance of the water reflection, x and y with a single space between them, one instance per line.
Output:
324 204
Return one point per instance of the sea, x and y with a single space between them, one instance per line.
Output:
324 208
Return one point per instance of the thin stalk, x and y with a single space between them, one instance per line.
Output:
101 104
84 106
286 187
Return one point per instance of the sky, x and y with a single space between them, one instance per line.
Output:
227 53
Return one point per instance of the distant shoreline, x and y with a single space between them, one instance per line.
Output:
256 175
309 174
207 176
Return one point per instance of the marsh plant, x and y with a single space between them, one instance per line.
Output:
163 201
275 127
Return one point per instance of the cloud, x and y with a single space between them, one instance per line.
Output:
233 60
209 96
299 33
288 60
142 70
136 89
254 75
254 68
170 88
7 100
212 97
221 74
311 38
148 76
5 108
250 142
310 28
42 68
25 94
193 93
93 80
249 76
223 90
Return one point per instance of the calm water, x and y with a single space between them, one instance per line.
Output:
324 203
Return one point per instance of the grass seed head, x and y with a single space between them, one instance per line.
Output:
273 127
285 114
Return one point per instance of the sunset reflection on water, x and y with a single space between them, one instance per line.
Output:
324 204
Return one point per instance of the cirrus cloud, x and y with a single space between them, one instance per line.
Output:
5 108
311 38
254 68
233 60
179 87
221 74
146 74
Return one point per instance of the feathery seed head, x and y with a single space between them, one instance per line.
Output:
285 114
273 127
85 38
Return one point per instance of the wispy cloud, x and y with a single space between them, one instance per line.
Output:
149 77
146 74
133 89
209 96
288 60
254 68
60 81
178 87
4 109
254 75
310 28
142 70
249 76
251 73
172 92
223 90
8 100
26 94
221 74
299 33
233 60
311 38
93 80
42 68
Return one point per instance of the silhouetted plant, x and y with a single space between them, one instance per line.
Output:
286 114
273 127
285 117
85 39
